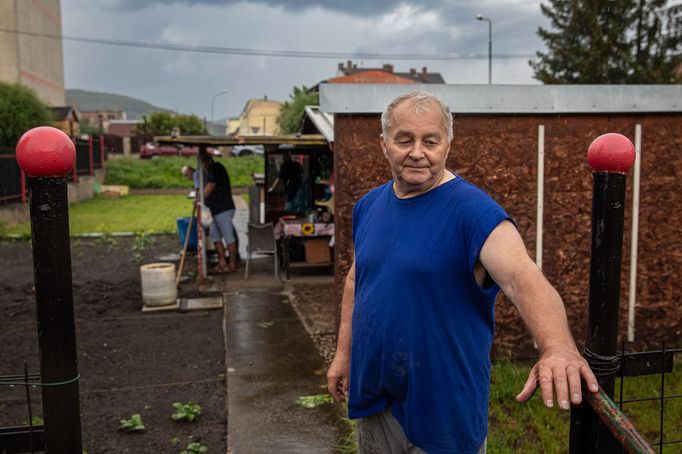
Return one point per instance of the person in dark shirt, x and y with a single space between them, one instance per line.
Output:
290 175
218 198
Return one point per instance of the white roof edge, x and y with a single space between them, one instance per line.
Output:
323 121
509 99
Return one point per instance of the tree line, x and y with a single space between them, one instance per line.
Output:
610 42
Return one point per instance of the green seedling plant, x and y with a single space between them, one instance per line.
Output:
315 400
142 241
186 412
132 424
36 421
194 448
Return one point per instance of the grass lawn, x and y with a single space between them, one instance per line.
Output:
133 213
531 427
164 171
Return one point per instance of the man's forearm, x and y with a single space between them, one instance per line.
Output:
343 344
542 310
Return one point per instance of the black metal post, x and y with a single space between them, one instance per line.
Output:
56 325
610 156
47 155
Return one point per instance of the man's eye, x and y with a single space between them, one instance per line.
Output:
402 141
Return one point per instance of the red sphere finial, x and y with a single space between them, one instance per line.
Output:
45 152
611 152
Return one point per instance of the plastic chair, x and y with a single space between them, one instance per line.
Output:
261 241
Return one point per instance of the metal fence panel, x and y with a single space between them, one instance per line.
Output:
97 152
83 156
11 188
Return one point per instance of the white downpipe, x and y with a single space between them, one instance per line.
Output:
632 292
540 195
261 205
541 201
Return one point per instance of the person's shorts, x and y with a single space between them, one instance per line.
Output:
222 227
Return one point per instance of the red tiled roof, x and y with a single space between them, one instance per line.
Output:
370 77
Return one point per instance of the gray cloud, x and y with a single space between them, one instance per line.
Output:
186 81
358 8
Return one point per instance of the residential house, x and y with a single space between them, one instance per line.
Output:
232 126
102 118
420 77
259 118
67 119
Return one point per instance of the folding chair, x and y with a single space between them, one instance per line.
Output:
261 241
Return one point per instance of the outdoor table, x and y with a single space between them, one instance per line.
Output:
285 229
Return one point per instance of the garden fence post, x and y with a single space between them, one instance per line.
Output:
47 155
74 174
23 186
91 160
101 151
610 156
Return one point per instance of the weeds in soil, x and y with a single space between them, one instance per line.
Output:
36 421
186 412
347 443
142 241
107 239
315 400
194 448
133 424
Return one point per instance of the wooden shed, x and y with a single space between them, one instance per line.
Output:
502 136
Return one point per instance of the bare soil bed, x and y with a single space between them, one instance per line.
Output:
129 361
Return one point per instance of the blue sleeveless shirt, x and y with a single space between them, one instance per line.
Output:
422 326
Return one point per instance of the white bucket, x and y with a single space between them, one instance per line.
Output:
158 284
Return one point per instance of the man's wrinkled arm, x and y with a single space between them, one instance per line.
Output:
339 371
560 366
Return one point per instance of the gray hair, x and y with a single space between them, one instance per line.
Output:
422 99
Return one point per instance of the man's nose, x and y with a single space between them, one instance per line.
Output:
417 151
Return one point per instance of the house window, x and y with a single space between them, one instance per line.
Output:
255 130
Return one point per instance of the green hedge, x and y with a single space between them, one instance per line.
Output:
164 171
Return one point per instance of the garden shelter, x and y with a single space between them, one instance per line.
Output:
525 145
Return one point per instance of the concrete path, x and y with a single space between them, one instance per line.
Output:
271 361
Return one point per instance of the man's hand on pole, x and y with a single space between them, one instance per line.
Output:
559 371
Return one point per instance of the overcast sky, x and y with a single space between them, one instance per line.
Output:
186 81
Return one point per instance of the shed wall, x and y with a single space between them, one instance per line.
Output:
499 154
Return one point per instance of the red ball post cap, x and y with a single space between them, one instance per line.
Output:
611 153
45 152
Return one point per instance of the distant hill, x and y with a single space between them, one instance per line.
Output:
93 101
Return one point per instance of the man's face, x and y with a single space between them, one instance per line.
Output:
416 147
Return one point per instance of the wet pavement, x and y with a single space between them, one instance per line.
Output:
271 362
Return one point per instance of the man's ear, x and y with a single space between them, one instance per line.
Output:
383 145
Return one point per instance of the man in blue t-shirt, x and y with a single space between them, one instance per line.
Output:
417 318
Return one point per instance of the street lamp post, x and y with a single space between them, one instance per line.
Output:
490 47
220 93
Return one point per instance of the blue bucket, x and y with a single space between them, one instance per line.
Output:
183 223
